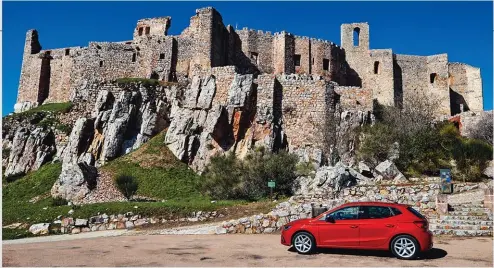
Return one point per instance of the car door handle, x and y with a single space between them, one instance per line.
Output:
390 225
353 226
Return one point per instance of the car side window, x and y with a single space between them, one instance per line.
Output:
395 211
374 212
348 213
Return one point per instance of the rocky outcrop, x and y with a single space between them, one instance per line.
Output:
199 129
75 182
30 150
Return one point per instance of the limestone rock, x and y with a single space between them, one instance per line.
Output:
387 170
489 171
75 182
39 228
240 90
30 150
122 111
208 89
78 141
364 169
80 222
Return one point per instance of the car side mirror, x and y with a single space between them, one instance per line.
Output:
329 219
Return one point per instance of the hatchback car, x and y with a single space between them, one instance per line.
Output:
362 225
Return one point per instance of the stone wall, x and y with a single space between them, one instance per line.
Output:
465 88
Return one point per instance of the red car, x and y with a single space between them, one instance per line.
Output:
362 225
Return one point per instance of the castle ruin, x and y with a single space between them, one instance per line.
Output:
360 74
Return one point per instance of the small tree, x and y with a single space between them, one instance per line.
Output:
127 185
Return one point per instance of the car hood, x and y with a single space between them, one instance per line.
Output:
301 221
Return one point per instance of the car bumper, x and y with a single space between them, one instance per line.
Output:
285 239
428 241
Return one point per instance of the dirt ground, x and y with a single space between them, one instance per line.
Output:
228 250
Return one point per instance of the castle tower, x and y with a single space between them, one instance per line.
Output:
152 27
355 36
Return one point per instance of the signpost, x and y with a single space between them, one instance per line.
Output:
446 186
271 185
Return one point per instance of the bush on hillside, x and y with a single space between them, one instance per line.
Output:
59 201
127 185
228 177
425 145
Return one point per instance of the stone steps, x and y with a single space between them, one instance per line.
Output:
484 217
473 210
461 222
468 213
459 227
474 205
461 232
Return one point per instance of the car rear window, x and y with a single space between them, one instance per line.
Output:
416 213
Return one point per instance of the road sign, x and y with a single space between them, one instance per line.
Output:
446 185
271 184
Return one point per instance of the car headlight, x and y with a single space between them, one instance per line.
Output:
286 227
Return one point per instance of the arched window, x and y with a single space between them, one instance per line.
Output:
356 36
376 67
433 78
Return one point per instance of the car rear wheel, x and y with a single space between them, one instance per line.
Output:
405 247
304 243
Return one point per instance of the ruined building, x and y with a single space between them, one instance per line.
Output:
231 90
361 73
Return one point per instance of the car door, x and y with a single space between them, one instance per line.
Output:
343 232
376 225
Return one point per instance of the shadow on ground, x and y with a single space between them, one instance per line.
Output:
434 253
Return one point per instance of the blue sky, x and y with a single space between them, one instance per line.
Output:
461 29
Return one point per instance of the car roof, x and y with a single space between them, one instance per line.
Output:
376 203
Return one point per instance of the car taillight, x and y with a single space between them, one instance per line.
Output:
422 224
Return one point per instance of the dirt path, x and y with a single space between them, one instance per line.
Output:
227 250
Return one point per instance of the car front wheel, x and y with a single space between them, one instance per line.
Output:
405 247
304 243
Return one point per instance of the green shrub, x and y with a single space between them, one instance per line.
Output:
58 201
127 185
305 169
222 177
376 143
227 177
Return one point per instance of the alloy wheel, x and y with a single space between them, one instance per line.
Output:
303 243
404 247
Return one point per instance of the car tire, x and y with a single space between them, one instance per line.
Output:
405 247
304 243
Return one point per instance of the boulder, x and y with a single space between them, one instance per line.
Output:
75 181
81 222
40 228
387 170
364 169
489 171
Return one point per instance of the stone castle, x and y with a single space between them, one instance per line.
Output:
357 73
